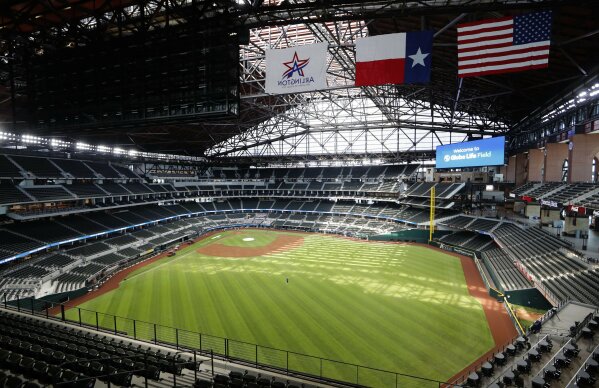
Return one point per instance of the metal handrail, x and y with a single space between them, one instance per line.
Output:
226 355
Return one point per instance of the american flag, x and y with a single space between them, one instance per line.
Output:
503 45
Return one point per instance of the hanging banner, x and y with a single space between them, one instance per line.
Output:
296 69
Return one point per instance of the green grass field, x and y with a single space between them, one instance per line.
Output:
388 306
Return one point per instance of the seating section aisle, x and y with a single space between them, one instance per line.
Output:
9 169
10 194
442 189
543 189
469 240
584 285
508 275
525 188
40 167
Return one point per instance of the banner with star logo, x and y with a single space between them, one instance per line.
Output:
296 69
403 58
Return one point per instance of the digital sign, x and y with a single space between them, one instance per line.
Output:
486 152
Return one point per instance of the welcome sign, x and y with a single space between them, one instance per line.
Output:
487 152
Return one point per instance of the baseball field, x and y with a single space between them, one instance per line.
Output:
390 306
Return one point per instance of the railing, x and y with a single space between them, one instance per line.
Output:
245 353
549 295
578 328
482 272
512 315
552 312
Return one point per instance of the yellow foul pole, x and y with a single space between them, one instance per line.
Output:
432 221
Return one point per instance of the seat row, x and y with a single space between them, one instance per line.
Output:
54 353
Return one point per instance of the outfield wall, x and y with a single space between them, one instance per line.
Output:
410 235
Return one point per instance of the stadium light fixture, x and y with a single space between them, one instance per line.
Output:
30 139
83 146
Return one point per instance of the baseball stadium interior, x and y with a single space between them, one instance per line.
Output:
150 144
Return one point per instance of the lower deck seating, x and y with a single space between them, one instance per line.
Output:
469 240
109 259
44 354
582 286
11 194
503 267
543 257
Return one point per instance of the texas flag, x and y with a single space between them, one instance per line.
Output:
403 58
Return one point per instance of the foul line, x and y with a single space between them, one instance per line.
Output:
158 266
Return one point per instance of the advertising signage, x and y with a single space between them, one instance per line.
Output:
477 153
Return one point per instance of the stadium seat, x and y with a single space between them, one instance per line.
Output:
263 382
4 357
40 371
122 378
149 371
519 381
13 382
26 366
221 379
13 361
201 383
95 369
249 378
53 374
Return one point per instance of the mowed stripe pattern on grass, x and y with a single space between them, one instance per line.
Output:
389 306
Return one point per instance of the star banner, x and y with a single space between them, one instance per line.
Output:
296 69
